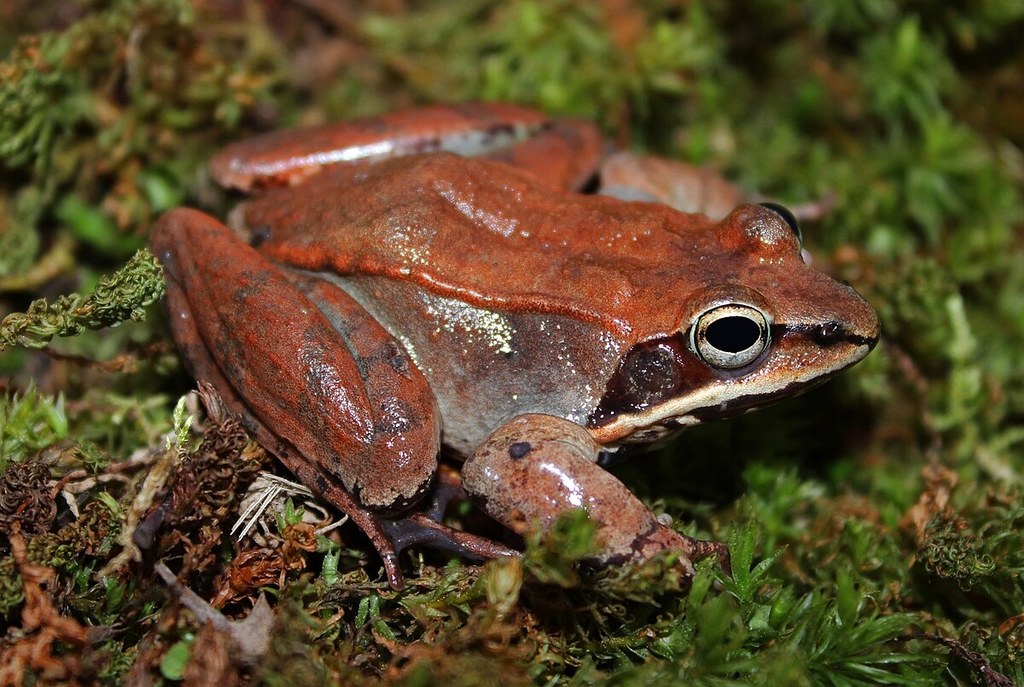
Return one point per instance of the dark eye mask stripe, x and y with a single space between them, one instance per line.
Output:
689 373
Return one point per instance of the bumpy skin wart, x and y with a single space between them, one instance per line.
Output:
404 298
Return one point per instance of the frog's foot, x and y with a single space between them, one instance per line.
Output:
388 536
421 529
687 188
425 527
392 536
536 467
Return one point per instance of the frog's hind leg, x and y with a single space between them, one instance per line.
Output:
685 187
296 383
388 375
286 158
536 467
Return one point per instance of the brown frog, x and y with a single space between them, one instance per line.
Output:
435 280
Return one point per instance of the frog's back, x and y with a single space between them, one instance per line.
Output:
513 297
485 234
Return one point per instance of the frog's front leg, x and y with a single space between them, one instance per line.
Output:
536 467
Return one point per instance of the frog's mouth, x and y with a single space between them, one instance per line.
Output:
800 358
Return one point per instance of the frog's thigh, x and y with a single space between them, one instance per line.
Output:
406 422
536 467
288 157
245 327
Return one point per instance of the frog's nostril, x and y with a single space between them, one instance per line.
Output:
828 332
833 332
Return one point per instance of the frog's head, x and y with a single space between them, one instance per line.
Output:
760 325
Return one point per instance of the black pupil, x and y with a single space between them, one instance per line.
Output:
733 334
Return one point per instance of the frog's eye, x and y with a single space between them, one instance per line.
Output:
788 217
730 336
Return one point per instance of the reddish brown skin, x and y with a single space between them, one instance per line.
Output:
405 423
180 273
594 258
335 422
552 283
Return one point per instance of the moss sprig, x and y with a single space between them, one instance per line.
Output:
119 297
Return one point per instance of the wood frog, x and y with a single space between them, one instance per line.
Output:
438 280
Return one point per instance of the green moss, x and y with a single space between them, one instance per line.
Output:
29 422
94 116
557 55
120 297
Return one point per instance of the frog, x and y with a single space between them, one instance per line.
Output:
454 285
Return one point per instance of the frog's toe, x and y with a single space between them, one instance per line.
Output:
421 529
